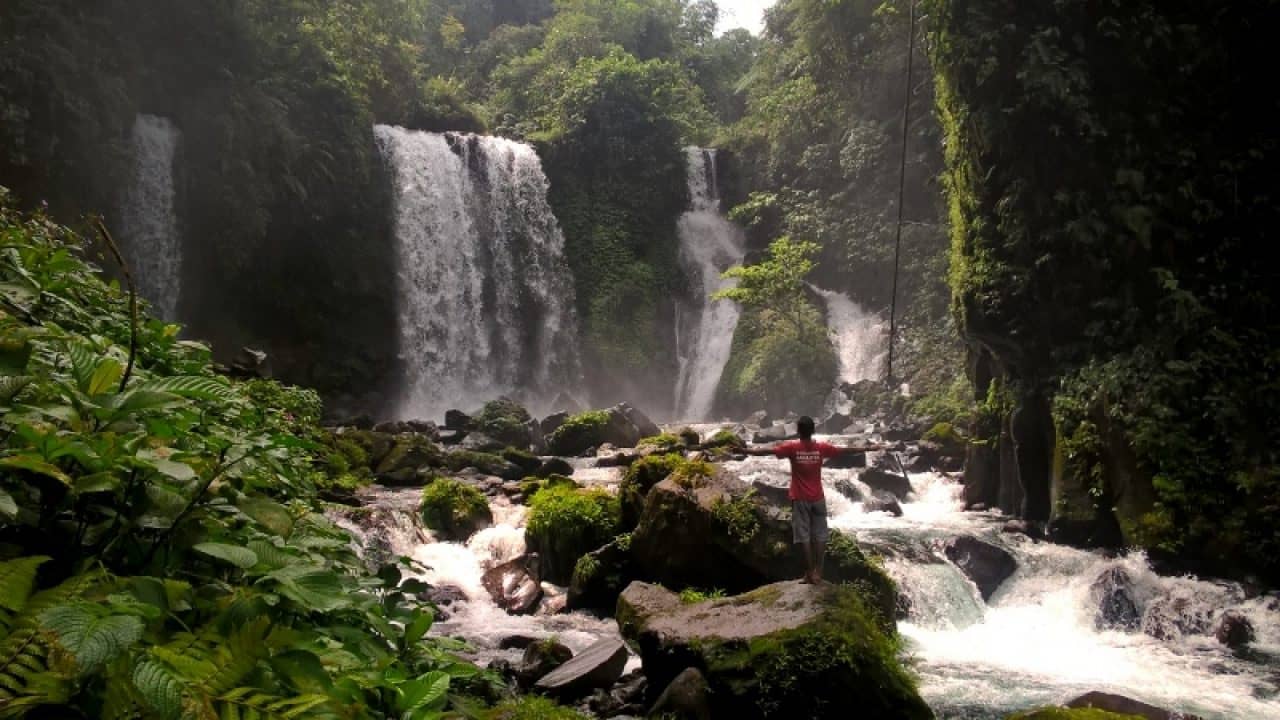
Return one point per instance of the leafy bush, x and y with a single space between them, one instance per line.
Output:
639 479
737 517
170 559
454 508
693 596
565 524
579 433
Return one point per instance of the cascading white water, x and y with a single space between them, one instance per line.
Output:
149 215
1035 642
486 296
709 245
861 339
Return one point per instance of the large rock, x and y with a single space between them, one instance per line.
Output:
834 424
1126 706
787 650
552 422
1234 629
687 697
600 576
457 420
408 453
776 433
890 481
515 585
985 564
1113 593
1169 618
881 501
847 461
641 422
599 666
541 658
710 531
759 418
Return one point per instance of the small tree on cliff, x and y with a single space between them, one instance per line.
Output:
781 351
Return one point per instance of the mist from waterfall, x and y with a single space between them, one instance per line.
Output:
709 245
485 293
149 216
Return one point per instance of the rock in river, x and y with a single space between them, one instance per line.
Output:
599 666
985 564
787 650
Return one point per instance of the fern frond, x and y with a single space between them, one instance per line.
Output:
29 667
239 656
16 580
189 386
159 688
252 704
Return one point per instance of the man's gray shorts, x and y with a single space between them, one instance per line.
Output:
809 521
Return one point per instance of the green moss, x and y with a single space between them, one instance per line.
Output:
639 480
693 596
533 707
725 438
1056 713
846 561
737 517
565 524
504 420
525 460
765 597
533 486
487 463
689 436
579 433
692 473
584 571
944 433
454 508
806 672
666 443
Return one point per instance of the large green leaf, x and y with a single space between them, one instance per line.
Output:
11 385
241 557
189 386
158 686
311 586
270 514
93 638
83 363
37 465
105 376
17 577
133 401
426 692
8 506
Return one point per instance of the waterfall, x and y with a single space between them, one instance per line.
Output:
709 245
485 294
861 338
149 221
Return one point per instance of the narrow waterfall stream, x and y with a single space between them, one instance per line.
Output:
486 296
709 245
149 217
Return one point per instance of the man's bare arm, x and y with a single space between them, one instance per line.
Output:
858 449
760 449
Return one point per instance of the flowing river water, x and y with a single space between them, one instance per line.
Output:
1033 643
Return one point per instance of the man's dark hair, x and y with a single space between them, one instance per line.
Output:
804 426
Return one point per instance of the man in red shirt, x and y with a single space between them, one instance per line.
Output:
808 502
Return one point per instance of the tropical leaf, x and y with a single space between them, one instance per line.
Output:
17 577
135 400
241 557
93 638
105 376
159 688
11 385
270 514
37 465
248 703
189 386
311 586
428 691
83 363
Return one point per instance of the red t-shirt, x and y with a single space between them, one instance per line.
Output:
806 467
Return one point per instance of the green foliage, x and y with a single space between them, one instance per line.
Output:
689 474
693 596
579 433
565 524
454 508
944 433
533 707
533 486
1126 296
725 439
639 479
666 443
124 484
738 517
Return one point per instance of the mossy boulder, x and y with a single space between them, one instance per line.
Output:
508 422
533 707
786 650
407 454
532 486
710 529
454 509
663 443
487 463
640 478
565 524
601 575
621 426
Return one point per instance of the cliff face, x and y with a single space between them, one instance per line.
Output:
1109 192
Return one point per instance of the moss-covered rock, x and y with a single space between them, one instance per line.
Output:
532 486
787 650
486 463
526 461
579 433
454 509
567 523
506 421
703 528
640 478
601 575
662 443
407 454
533 707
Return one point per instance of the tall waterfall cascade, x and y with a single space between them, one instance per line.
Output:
149 217
486 299
861 340
709 245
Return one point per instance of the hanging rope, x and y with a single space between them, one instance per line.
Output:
902 187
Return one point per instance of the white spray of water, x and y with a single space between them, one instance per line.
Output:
486 296
861 338
150 216
709 245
